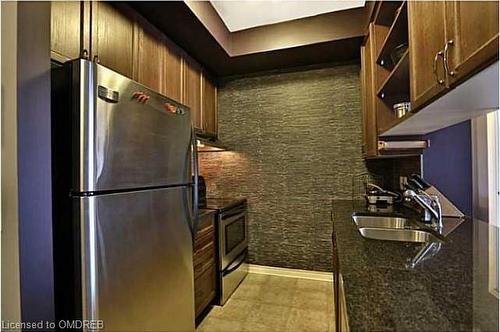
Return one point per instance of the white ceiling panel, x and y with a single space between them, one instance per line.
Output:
240 15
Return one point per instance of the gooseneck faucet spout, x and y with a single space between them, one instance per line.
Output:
430 204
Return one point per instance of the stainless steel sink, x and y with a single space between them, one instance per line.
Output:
397 234
382 222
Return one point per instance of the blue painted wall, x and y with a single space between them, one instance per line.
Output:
447 164
34 162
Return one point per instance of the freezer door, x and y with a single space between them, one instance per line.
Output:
137 267
126 135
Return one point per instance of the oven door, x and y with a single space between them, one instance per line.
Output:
233 275
233 237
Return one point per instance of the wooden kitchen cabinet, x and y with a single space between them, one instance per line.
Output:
113 38
122 40
449 41
172 67
472 36
205 273
204 290
385 79
148 61
192 91
65 30
209 106
427 24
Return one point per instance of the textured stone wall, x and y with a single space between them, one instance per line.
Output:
296 142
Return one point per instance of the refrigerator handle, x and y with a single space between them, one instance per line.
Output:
194 163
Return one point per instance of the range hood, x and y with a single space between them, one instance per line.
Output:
208 143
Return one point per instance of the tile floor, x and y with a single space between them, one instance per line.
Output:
272 303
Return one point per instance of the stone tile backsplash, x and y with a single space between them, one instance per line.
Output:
295 141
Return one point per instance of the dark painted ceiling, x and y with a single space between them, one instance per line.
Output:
178 22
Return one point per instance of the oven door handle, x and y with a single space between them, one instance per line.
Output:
229 220
235 265
234 212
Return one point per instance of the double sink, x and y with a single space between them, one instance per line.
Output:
390 228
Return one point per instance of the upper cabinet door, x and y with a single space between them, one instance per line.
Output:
472 36
65 30
426 28
149 58
209 113
192 91
172 67
112 38
369 85
362 81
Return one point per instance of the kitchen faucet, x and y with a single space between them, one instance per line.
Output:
430 204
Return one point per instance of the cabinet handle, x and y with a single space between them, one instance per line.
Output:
445 58
85 54
434 67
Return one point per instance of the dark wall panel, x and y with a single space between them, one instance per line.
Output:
448 165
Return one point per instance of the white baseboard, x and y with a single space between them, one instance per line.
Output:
291 273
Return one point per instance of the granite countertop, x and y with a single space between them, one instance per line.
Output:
447 292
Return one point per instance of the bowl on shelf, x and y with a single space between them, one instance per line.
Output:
401 108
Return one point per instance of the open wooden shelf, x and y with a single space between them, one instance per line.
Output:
385 12
387 83
396 121
396 87
397 35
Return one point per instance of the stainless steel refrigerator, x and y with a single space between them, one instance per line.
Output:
124 169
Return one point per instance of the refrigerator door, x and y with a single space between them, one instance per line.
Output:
136 262
126 135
